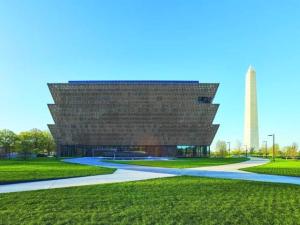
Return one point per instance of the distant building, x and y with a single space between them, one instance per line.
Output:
133 118
251 135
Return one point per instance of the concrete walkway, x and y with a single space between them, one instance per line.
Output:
235 167
118 176
230 171
135 173
221 168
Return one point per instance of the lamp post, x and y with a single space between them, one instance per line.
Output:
246 147
228 147
266 147
273 135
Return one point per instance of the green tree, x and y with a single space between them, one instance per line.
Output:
291 151
261 152
264 151
48 142
31 141
221 149
8 141
277 150
237 150
295 150
35 141
25 144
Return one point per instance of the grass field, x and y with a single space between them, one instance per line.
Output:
182 163
279 167
177 200
12 171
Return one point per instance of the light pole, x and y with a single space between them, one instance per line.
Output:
228 147
246 147
266 147
273 135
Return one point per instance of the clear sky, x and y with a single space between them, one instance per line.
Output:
205 40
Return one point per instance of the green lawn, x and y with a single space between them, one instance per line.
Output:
182 163
177 200
279 167
12 171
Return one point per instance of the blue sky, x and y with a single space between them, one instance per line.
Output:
205 40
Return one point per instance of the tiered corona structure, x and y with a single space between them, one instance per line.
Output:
141 118
251 136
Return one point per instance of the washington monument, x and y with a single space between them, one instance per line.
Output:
251 139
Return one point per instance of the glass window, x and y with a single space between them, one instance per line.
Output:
204 100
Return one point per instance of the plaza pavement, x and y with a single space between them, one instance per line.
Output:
126 173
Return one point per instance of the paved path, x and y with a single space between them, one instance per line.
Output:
230 171
135 173
118 176
221 168
235 167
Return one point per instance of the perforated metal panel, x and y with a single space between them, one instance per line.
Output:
133 113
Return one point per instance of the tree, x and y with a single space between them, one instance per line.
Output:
35 141
221 149
264 151
277 150
238 148
31 141
25 144
238 145
295 151
8 141
48 142
291 151
261 151
285 152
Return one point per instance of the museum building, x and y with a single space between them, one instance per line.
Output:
133 118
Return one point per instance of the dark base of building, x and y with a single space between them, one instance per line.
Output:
132 151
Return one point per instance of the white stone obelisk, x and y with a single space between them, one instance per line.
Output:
251 137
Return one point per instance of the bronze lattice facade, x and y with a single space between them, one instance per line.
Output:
141 118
